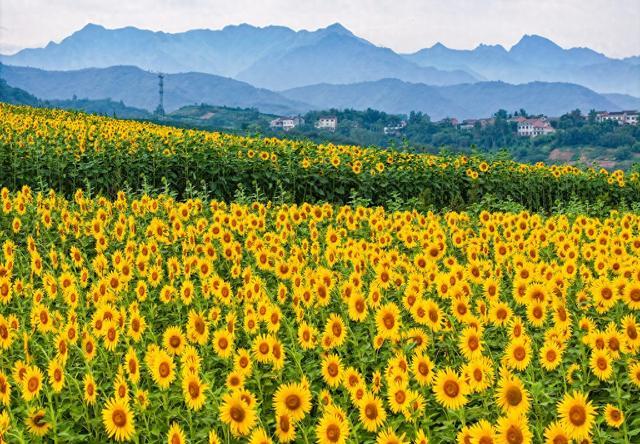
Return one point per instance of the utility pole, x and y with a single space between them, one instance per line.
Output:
160 109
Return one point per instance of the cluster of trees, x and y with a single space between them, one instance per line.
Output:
573 130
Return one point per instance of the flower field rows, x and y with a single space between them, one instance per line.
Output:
149 319
62 150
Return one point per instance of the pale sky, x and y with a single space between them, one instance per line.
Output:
608 26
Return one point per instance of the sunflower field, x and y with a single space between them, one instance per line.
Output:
148 319
64 151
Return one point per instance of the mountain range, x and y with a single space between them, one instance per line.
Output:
138 88
279 58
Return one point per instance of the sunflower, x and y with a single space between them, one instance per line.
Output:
332 370
197 329
613 416
162 369
518 354
285 428
482 432
259 436
479 374
175 435
389 436
118 420
511 395
31 383
90 389
550 356
576 414
331 430
336 330
634 373
372 413
235 412
193 391
513 429
398 396
422 368
56 375
36 423
223 343
388 321
5 389
470 343
600 364
132 365
173 340
450 389
555 433
293 399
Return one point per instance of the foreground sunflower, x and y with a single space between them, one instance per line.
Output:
613 416
577 415
118 420
331 430
450 389
372 413
235 412
294 399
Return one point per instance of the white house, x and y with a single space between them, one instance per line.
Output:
622 117
327 122
395 129
286 123
534 127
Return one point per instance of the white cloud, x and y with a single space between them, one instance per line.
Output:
403 25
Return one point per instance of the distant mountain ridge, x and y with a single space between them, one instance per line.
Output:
138 88
535 58
273 57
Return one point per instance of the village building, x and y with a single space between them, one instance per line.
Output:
327 122
621 117
286 123
538 126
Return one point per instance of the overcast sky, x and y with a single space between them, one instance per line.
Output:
608 26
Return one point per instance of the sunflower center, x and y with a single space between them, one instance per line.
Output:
400 397
477 375
371 411
175 439
264 348
615 415
577 415
473 343
38 420
333 433
433 315
602 363
33 384
194 389
451 388
199 325
514 396
174 341
284 423
119 418
388 321
237 413
514 435
423 368
336 328
551 355
293 402
164 369
333 369
519 353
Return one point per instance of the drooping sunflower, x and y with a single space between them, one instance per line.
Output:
235 412
294 399
372 413
36 423
577 415
118 420
450 389
5 390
